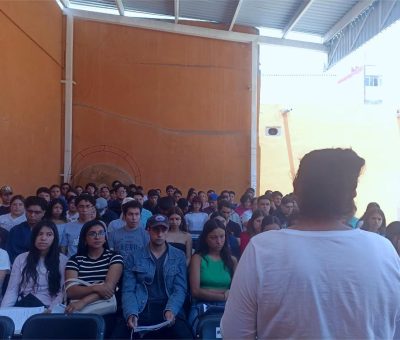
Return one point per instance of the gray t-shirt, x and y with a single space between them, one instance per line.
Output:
125 241
70 238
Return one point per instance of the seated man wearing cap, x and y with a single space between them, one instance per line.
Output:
5 194
154 286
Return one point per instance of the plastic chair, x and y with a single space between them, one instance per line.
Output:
62 326
7 327
208 324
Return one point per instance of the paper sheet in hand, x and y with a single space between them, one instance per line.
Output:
59 309
20 314
152 327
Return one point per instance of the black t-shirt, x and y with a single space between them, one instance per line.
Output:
4 210
157 288
233 228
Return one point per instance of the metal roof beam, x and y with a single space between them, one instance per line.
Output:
357 9
160 25
176 8
240 2
295 19
120 7
376 18
66 3
292 43
170 27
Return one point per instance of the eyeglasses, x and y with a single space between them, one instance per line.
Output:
34 212
159 228
93 234
86 206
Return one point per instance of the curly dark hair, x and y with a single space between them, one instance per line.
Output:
51 260
203 249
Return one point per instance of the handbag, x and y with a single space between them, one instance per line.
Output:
100 307
28 300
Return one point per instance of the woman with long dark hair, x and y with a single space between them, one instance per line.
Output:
211 268
57 213
253 228
178 235
37 276
374 221
191 194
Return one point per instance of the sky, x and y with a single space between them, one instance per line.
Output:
297 75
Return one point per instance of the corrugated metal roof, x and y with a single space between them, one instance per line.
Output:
268 13
220 11
324 18
95 3
276 14
322 15
153 6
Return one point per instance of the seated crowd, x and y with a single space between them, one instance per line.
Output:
160 257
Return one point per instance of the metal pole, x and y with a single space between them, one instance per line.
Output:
68 98
254 115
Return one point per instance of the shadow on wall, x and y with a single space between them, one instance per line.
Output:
102 174
370 131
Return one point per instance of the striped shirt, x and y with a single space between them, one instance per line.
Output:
94 271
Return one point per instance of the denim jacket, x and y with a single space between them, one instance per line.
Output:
139 271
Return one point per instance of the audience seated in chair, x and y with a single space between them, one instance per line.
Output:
211 270
37 276
95 264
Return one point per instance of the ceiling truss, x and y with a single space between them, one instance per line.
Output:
364 20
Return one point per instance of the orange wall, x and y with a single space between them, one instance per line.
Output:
30 94
164 108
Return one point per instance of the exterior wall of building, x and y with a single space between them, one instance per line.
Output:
30 93
161 108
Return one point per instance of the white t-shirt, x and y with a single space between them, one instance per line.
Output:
195 222
4 260
315 284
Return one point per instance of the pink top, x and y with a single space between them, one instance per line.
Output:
41 291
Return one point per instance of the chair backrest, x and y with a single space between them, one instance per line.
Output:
61 326
7 327
208 326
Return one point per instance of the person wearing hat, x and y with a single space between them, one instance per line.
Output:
154 286
106 215
6 193
212 204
